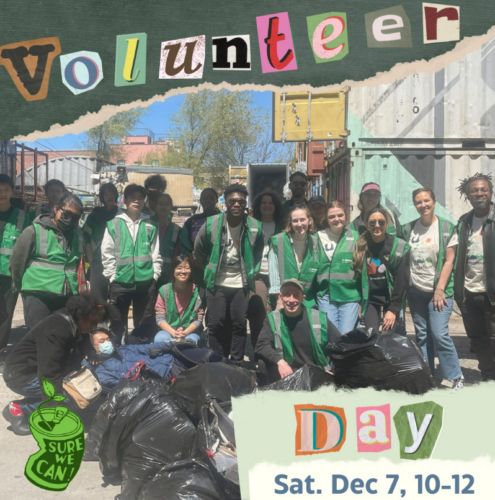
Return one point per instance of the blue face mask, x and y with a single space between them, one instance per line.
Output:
106 349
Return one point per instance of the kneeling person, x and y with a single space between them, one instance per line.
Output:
293 336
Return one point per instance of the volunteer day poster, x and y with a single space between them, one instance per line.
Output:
66 67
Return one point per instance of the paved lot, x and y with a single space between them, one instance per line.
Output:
88 483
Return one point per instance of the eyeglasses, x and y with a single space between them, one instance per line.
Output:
299 183
233 201
380 222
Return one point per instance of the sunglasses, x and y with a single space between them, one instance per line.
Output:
72 215
232 202
299 183
380 222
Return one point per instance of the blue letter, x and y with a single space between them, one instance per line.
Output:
278 481
335 489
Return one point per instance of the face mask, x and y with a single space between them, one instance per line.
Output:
106 349
66 222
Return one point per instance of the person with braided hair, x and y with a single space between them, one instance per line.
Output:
474 275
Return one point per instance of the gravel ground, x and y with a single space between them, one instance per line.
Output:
88 482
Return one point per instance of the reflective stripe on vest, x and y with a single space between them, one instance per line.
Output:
278 334
173 241
315 316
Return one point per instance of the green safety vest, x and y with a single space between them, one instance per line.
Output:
18 221
399 250
319 336
133 261
167 247
445 228
287 264
214 226
173 318
337 277
50 265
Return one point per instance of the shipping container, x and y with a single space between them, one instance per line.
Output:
263 176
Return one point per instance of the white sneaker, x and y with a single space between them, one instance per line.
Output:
458 383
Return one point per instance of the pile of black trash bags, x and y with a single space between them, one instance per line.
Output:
175 440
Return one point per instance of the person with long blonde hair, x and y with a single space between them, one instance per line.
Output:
382 259
339 286
294 253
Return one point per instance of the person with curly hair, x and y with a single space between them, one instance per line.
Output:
474 275
294 253
52 349
268 209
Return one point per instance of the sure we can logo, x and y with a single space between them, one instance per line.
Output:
320 429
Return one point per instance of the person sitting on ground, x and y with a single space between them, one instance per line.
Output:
293 336
180 305
52 349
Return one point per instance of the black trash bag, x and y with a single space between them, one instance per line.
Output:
306 378
95 434
216 448
123 393
188 479
387 361
194 388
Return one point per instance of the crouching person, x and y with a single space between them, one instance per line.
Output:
293 336
52 349
180 305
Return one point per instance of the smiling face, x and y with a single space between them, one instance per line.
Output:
479 194
377 225
370 199
424 203
182 272
336 218
163 206
292 298
267 206
299 221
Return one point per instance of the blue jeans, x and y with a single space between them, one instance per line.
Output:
163 336
432 332
32 393
344 315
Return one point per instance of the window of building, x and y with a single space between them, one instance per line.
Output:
154 163
121 162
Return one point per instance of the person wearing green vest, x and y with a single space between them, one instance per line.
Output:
132 263
294 253
298 182
339 286
94 229
44 265
268 209
430 296
293 336
12 222
369 199
168 235
382 259
180 305
230 247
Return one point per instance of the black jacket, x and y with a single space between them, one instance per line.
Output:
52 349
463 229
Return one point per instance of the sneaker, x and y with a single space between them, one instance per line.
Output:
16 418
458 383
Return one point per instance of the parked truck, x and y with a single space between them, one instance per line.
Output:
260 176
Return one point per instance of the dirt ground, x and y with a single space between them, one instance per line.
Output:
88 482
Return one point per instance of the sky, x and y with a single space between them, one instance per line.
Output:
157 119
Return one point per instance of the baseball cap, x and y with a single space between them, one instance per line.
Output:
370 186
292 281
316 199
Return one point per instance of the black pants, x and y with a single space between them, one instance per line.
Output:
478 315
8 301
122 298
37 307
99 284
268 372
259 307
225 340
372 319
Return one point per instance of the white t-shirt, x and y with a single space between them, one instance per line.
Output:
299 242
475 279
268 229
229 273
328 242
424 255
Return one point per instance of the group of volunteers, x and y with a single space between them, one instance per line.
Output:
299 272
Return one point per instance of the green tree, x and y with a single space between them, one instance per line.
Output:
218 129
105 138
